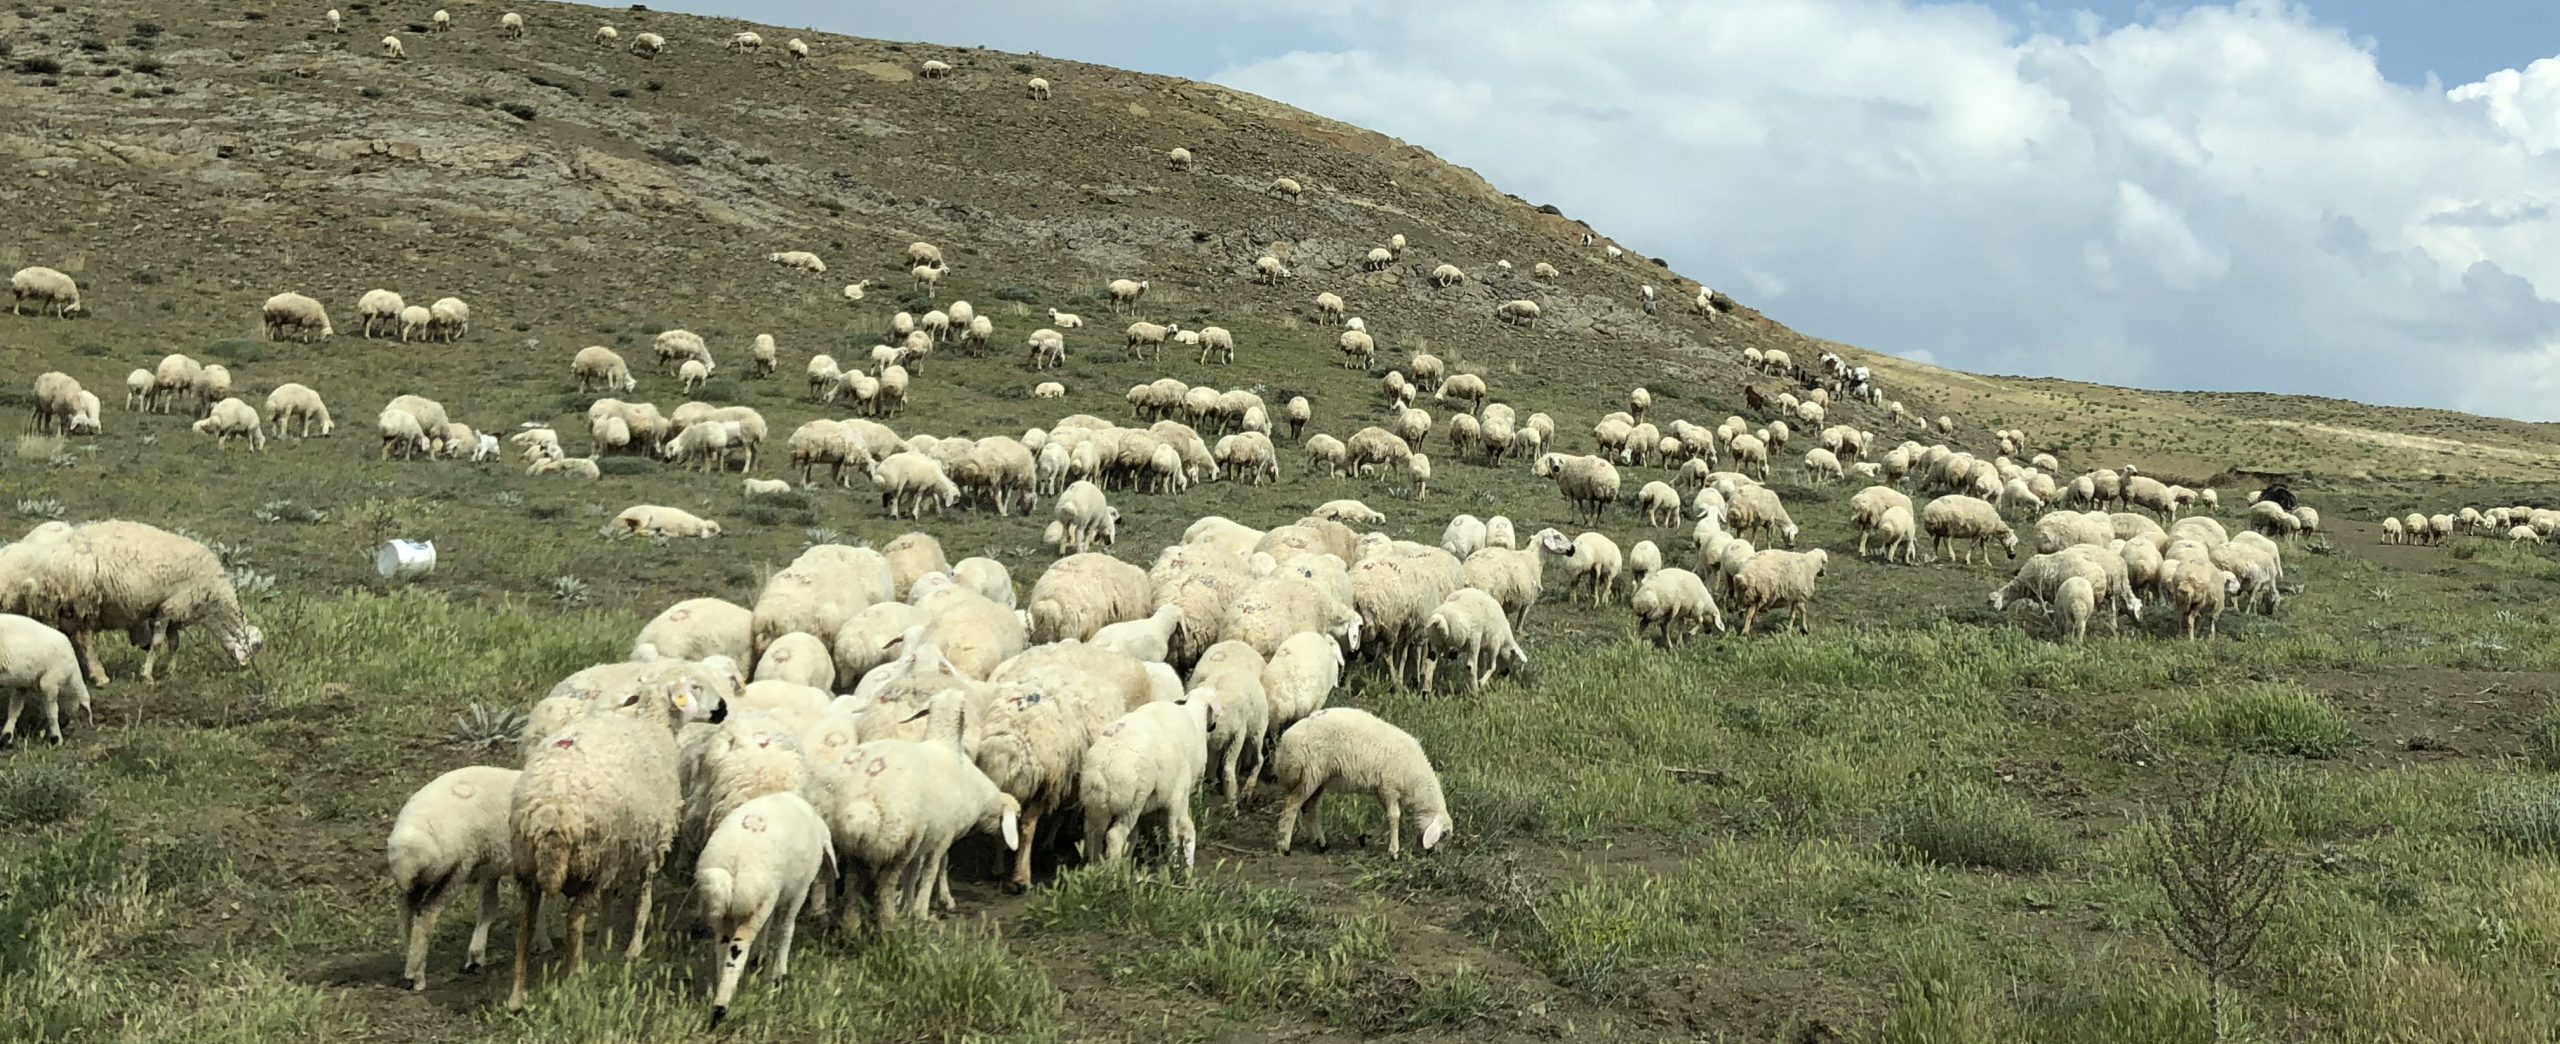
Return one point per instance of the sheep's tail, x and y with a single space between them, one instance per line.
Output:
551 850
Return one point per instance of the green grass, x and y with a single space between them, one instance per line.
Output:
2265 719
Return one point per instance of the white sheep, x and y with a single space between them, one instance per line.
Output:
896 806
1178 158
1346 750
2075 601
1471 625
1593 558
1299 677
698 629
1779 580
337 22
1671 597
1038 88
36 658
391 48
451 834
1148 760
594 813
756 871
798 49
1288 187
296 314
1229 677
933 69
744 42
511 26
654 520
648 45
114 575
1952 520
606 34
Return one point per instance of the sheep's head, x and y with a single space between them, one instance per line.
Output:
2009 543
244 644
1554 543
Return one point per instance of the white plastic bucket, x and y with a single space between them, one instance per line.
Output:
405 558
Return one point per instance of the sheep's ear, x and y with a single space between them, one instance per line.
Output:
1434 830
1012 829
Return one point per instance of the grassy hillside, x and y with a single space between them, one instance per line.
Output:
1918 823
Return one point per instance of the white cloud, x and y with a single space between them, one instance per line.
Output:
2227 197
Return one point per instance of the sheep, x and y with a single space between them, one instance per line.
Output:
234 419
1467 388
697 629
2074 601
380 310
798 261
1358 349
647 45
745 42
1350 511
594 812
298 315
1038 88
1125 292
47 288
1822 466
908 482
797 48
1142 336
1087 517
933 69
452 832
1288 187
337 22
1779 580
757 869
1588 483
1951 520
511 26
1228 675
1085 592
1344 749
1674 596
2199 588
1757 511
652 520
1901 535
1216 342
1327 454
1469 623
56 401
1148 640
1517 312
1178 158
1418 468
126 576
36 658
1592 557
1148 760
1661 504
694 374
606 34
596 365
392 49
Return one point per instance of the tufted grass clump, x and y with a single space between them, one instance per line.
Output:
2522 814
2264 719
36 796
1969 825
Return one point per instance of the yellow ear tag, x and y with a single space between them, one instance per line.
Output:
683 701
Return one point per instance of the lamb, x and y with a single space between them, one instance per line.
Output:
337 22
1778 580
653 520
1087 517
1670 597
1038 88
761 861
1951 520
36 658
1867 508
451 833
1148 640
594 813
1146 761
234 419
298 315
1901 535
1228 677
798 49
1592 557
1142 336
1348 750
694 374
1299 677
1217 342
2074 602
1643 560
1469 623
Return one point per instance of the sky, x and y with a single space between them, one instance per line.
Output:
2351 198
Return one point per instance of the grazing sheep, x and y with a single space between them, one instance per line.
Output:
1288 187
234 419
1471 625
1671 597
149 583
1592 558
451 834
47 288
1228 675
1951 520
511 26
1038 88
755 871
36 658
1346 750
391 48
295 314
1179 158
1779 580
2074 602
1148 760
1590 484
933 69
648 45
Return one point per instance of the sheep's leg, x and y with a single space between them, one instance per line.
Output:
886 884
418 922
1430 670
524 940
1290 808
1235 756
579 907
1395 824
478 956
640 915
1182 832
781 948
163 638
87 643
1022 856
942 882
741 940
9 730
1750 615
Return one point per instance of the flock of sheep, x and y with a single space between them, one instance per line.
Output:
828 745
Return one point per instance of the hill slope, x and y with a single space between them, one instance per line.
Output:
1918 819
